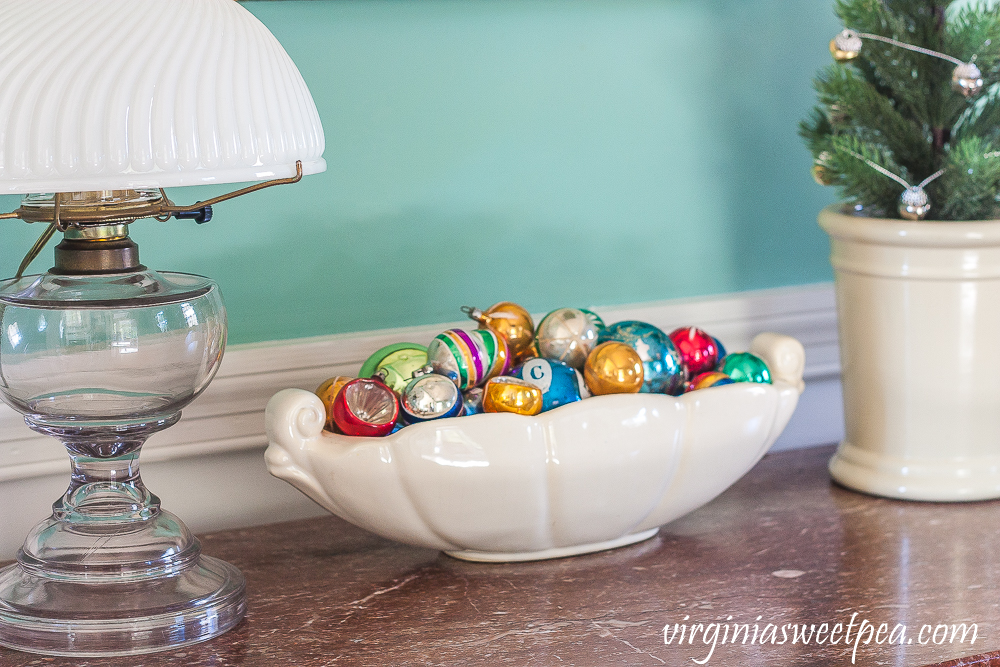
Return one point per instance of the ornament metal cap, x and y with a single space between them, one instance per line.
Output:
424 370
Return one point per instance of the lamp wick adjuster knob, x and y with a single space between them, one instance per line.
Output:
199 215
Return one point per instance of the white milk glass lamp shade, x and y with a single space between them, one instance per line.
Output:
102 102
129 94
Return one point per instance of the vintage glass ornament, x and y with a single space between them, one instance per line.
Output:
708 379
745 367
467 357
510 394
663 368
914 204
512 322
556 380
399 355
567 335
720 350
845 46
398 366
581 383
327 392
821 172
429 396
697 350
496 350
595 319
967 79
365 407
613 368
472 400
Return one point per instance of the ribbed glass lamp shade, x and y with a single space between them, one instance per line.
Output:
126 94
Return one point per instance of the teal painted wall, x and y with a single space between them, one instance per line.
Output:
550 152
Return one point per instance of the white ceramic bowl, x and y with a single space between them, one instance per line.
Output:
591 475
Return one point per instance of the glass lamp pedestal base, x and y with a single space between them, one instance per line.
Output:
155 614
110 573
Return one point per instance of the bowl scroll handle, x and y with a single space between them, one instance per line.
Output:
784 355
294 419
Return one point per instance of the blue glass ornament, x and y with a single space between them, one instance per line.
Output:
557 381
722 350
661 362
473 401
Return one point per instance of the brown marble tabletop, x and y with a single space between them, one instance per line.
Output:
783 546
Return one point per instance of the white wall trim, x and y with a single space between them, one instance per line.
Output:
229 416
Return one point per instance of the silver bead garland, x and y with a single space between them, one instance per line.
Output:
914 204
965 78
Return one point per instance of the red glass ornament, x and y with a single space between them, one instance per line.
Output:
697 348
365 407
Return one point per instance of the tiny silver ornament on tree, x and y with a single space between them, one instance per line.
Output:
845 46
967 79
914 203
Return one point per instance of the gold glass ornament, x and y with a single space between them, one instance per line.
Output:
512 323
967 79
327 392
613 368
821 171
914 204
509 394
845 46
821 174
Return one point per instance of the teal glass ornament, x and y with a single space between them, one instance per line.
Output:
663 370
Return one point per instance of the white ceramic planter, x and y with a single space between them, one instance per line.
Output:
918 305
591 475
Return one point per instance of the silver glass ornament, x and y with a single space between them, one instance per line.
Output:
567 335
914 203
430 396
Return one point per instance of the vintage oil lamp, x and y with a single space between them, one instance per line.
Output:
102 104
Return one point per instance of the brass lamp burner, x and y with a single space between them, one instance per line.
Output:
95 223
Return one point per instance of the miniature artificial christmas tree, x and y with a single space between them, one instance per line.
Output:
909 116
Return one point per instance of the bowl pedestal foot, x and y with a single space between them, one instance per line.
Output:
558 552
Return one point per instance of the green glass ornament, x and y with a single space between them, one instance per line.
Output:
745 367
398 361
